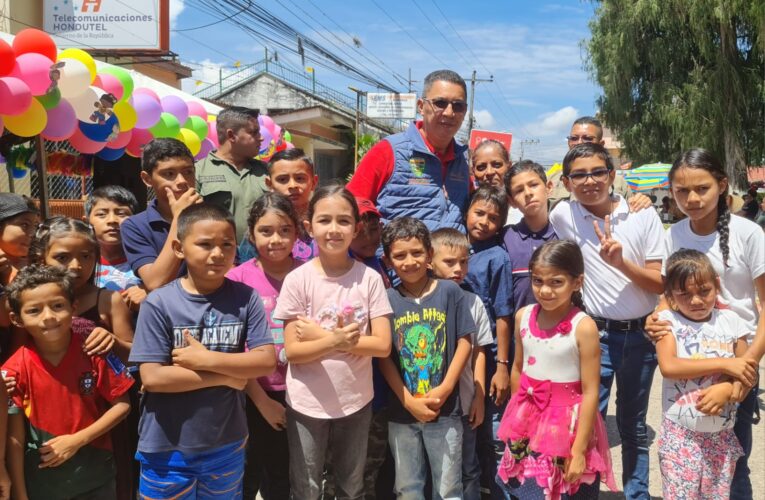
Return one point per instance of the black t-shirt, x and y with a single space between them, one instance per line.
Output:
424 340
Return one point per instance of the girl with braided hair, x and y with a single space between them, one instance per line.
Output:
736 248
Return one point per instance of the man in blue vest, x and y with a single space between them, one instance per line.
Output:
422 172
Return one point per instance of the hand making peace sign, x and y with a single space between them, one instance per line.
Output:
610 249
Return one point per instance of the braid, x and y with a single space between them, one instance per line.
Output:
578 300
723 223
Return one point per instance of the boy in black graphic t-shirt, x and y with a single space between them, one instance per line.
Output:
431 326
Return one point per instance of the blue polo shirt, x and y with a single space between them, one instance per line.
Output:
143 236
489 276
520 242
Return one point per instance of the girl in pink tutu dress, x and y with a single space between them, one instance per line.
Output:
556 444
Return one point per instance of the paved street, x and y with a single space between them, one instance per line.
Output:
756 462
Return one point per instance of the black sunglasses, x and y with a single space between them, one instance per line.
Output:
442 104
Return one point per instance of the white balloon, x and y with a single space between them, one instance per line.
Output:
85 103
74 78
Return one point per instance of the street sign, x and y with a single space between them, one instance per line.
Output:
392 106
478 136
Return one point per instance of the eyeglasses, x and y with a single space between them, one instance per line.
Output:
579 178
581 138
441 104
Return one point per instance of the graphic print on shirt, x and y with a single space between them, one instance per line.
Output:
422 349
216 334
699 343
350 312
277 329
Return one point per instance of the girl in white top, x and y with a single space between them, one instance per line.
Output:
698 449
335 312
736 248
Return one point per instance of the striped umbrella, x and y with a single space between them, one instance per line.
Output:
647 177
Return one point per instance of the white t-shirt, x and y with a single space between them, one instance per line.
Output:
607 292
339 383
482 337
715 338
746 261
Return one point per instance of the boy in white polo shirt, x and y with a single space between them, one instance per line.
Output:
622 256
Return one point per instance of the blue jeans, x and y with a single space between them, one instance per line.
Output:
630 358
215 473
441 442
490 449
471 468
741 486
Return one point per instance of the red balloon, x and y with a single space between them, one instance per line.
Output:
81 143
33 40
7 58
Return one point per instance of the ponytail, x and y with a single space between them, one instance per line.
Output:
723 226
578 300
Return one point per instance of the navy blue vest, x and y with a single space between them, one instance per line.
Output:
416 187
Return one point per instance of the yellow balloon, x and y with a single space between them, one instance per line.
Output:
126 115
83 57
30 122
191 140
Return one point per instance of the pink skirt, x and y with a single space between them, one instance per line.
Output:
539 427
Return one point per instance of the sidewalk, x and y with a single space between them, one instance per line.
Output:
756 461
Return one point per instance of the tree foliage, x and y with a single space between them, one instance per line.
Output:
678 74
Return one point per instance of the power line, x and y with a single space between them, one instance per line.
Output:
249 2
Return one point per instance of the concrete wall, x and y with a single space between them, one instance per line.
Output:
265 93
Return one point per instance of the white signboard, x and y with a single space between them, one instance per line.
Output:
392 106
104 24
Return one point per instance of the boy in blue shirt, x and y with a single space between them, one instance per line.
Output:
167 167
490 277
432 327
190 344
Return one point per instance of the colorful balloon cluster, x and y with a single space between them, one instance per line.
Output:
62 96
274 138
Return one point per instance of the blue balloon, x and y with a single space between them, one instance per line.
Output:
99 132
19 173
109 154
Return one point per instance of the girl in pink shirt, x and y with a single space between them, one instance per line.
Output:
335 312
273 226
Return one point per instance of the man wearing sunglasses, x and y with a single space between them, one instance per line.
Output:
422 172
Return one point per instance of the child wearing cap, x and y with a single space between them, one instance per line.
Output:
18 221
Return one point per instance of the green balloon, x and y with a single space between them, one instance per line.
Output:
287 136
51 99
124 77
198 125
167 126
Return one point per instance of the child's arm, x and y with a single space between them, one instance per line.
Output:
500 382
648 278
118 319
5 480
165 267
377 343
423 409
588 341
273 411
477 407
446 387
515 376
757 349
657 328
133 296
15 451
157 377
743 369
254 363
305 351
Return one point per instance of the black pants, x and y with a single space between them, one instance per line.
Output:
267 467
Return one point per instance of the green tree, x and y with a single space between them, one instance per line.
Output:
678 74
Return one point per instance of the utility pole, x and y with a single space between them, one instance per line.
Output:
473 81
529 142
410 81
359 93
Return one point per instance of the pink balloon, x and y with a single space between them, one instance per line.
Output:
277 132
176 106
139 139
196 109
207 146
146 108
290 145
34 70
83 144
122 140
266 121
145 91
15 96
213 134
62 121
110 84
266 139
